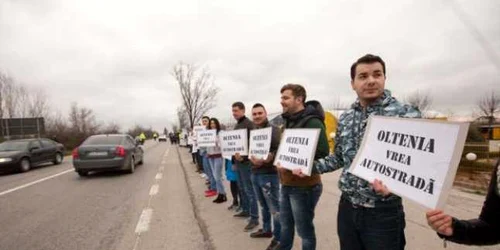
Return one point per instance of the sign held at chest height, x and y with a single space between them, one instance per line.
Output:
234 141
206 138
415 158
297 149
260 142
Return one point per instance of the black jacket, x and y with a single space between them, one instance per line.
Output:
484 230
269 168
243 123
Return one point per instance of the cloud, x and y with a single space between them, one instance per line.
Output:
116 56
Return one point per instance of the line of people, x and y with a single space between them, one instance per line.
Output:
369 216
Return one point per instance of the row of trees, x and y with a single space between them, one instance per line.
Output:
19 101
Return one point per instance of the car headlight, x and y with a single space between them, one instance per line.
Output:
5 160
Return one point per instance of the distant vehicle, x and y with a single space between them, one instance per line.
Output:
24 154
107 152
162 138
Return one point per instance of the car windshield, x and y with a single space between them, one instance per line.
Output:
14 145
103 140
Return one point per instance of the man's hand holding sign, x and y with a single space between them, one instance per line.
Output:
234 143
296 150
260 144
416 159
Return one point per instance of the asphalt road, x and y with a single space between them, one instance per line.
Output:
161 206
53 208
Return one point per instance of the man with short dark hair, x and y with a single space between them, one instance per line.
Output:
266 182
369 217
299 195
249 207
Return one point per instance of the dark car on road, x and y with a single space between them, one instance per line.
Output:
24 154
107 152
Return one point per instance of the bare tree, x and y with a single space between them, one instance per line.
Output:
9 97
420 100
3 81
38 105
82 120
23 101
175 128
197 90
183 118
16 100
489 106
111 128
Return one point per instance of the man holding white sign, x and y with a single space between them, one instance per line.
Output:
265 179
248 201
299 195
383 222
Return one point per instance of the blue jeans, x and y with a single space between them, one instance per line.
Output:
297 206
216 167
208 171
267 189
249 202
361 228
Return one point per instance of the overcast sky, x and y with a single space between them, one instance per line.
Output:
116 57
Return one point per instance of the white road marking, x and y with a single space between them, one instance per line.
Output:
159 176
144 220
166 153
35 182
154 189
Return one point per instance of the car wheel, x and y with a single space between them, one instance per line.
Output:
82 173
58 159
25 165
141 162
132 166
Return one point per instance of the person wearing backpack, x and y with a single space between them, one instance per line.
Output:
300 194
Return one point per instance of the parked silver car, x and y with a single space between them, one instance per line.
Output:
107 152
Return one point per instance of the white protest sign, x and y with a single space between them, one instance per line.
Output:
297 149
206 138
234 141
193 143
414 158
260 142
197 129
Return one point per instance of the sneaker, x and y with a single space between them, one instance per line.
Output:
274 245
211 193
261 234
233 207
251 225
202 175
242 214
